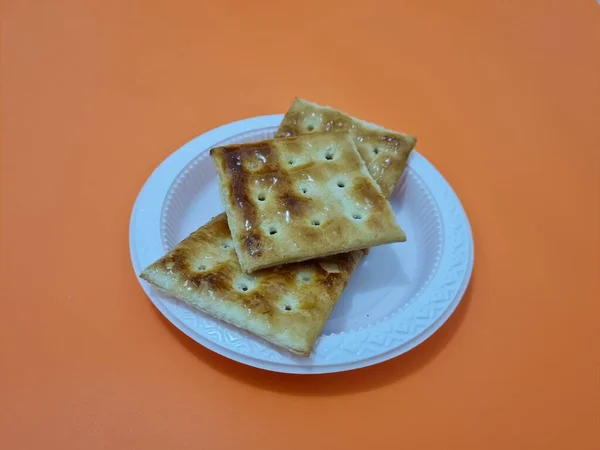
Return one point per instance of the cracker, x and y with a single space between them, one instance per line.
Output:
287 306
300 198
385 152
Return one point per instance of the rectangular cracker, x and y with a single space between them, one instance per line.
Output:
287 306
384 152
294 199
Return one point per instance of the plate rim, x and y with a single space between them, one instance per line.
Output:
178 161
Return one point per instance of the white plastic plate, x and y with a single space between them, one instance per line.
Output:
399 295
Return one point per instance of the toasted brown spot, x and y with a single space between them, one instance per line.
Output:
345 263
331 280
235 157
215 281
281 275
258 304
233 161
294 204
363 192
221 227
253 244
177 261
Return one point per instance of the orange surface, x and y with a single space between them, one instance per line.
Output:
505 100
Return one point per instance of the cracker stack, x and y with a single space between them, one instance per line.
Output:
300 210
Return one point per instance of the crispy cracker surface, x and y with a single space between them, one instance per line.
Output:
384 152
300 198
287 306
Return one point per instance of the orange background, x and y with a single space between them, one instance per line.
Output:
504 97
